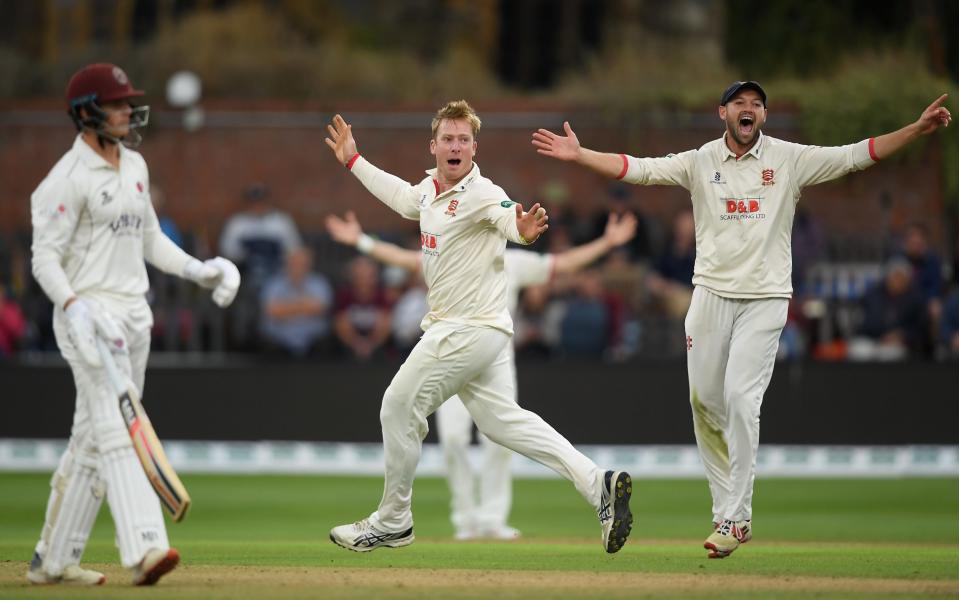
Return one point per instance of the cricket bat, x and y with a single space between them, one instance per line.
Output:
159 472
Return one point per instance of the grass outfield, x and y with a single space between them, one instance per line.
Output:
266 536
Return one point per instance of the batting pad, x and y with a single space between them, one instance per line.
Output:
75 497
133 504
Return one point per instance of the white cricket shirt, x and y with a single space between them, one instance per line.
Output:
525 268
744 207
463 233
93 227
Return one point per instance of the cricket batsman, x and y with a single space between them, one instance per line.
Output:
744 188
93 227
465 220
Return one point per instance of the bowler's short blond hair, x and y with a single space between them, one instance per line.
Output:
457 109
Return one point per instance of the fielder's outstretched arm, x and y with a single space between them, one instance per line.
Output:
389 189
619 230
935 116
348 231
567 148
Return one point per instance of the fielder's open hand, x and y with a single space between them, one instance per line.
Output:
620 229
531 224
345 231
935 116
341 139
557 146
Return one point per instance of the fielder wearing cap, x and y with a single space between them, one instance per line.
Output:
94 228
744 188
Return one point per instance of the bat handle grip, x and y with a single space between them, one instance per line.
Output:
110 365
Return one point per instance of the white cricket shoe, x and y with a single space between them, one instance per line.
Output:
500 532
466 534
614 514
363 537
72 575
155 564
728 536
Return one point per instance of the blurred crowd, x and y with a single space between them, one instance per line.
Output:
304 296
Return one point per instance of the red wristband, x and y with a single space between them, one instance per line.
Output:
872 150
625 167
349 163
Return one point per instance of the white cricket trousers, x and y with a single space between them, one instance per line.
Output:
99 462
473 362
731 350
482 507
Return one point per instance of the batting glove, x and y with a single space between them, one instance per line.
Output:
86 322
217 274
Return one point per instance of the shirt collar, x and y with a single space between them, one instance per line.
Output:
464 183
89 156
756 151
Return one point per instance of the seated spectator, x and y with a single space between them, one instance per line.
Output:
894 322
671 282
808 247
619 202
258 239
585 328
926 264
296 307
13 326
362 321
537 322
949 326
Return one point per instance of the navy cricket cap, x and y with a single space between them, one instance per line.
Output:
742 85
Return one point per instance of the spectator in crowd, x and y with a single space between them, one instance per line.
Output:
585 329
257 239
536 322
167 225
949 326
619 203
894 323
296 306
808 246
926 264
671 282
362 320
13 326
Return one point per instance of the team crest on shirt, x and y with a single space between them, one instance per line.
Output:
768 175
451 209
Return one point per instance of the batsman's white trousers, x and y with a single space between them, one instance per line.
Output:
100 459
475 363
489 509
731 350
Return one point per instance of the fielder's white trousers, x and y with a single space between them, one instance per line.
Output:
479 503
731 350
100 462
475 363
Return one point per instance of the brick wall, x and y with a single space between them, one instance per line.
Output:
204 172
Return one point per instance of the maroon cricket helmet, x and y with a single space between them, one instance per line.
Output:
101 83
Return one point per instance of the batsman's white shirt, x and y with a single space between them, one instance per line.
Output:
744 207
461 234
93 227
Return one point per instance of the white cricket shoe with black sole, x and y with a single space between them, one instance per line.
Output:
363 537
614 513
